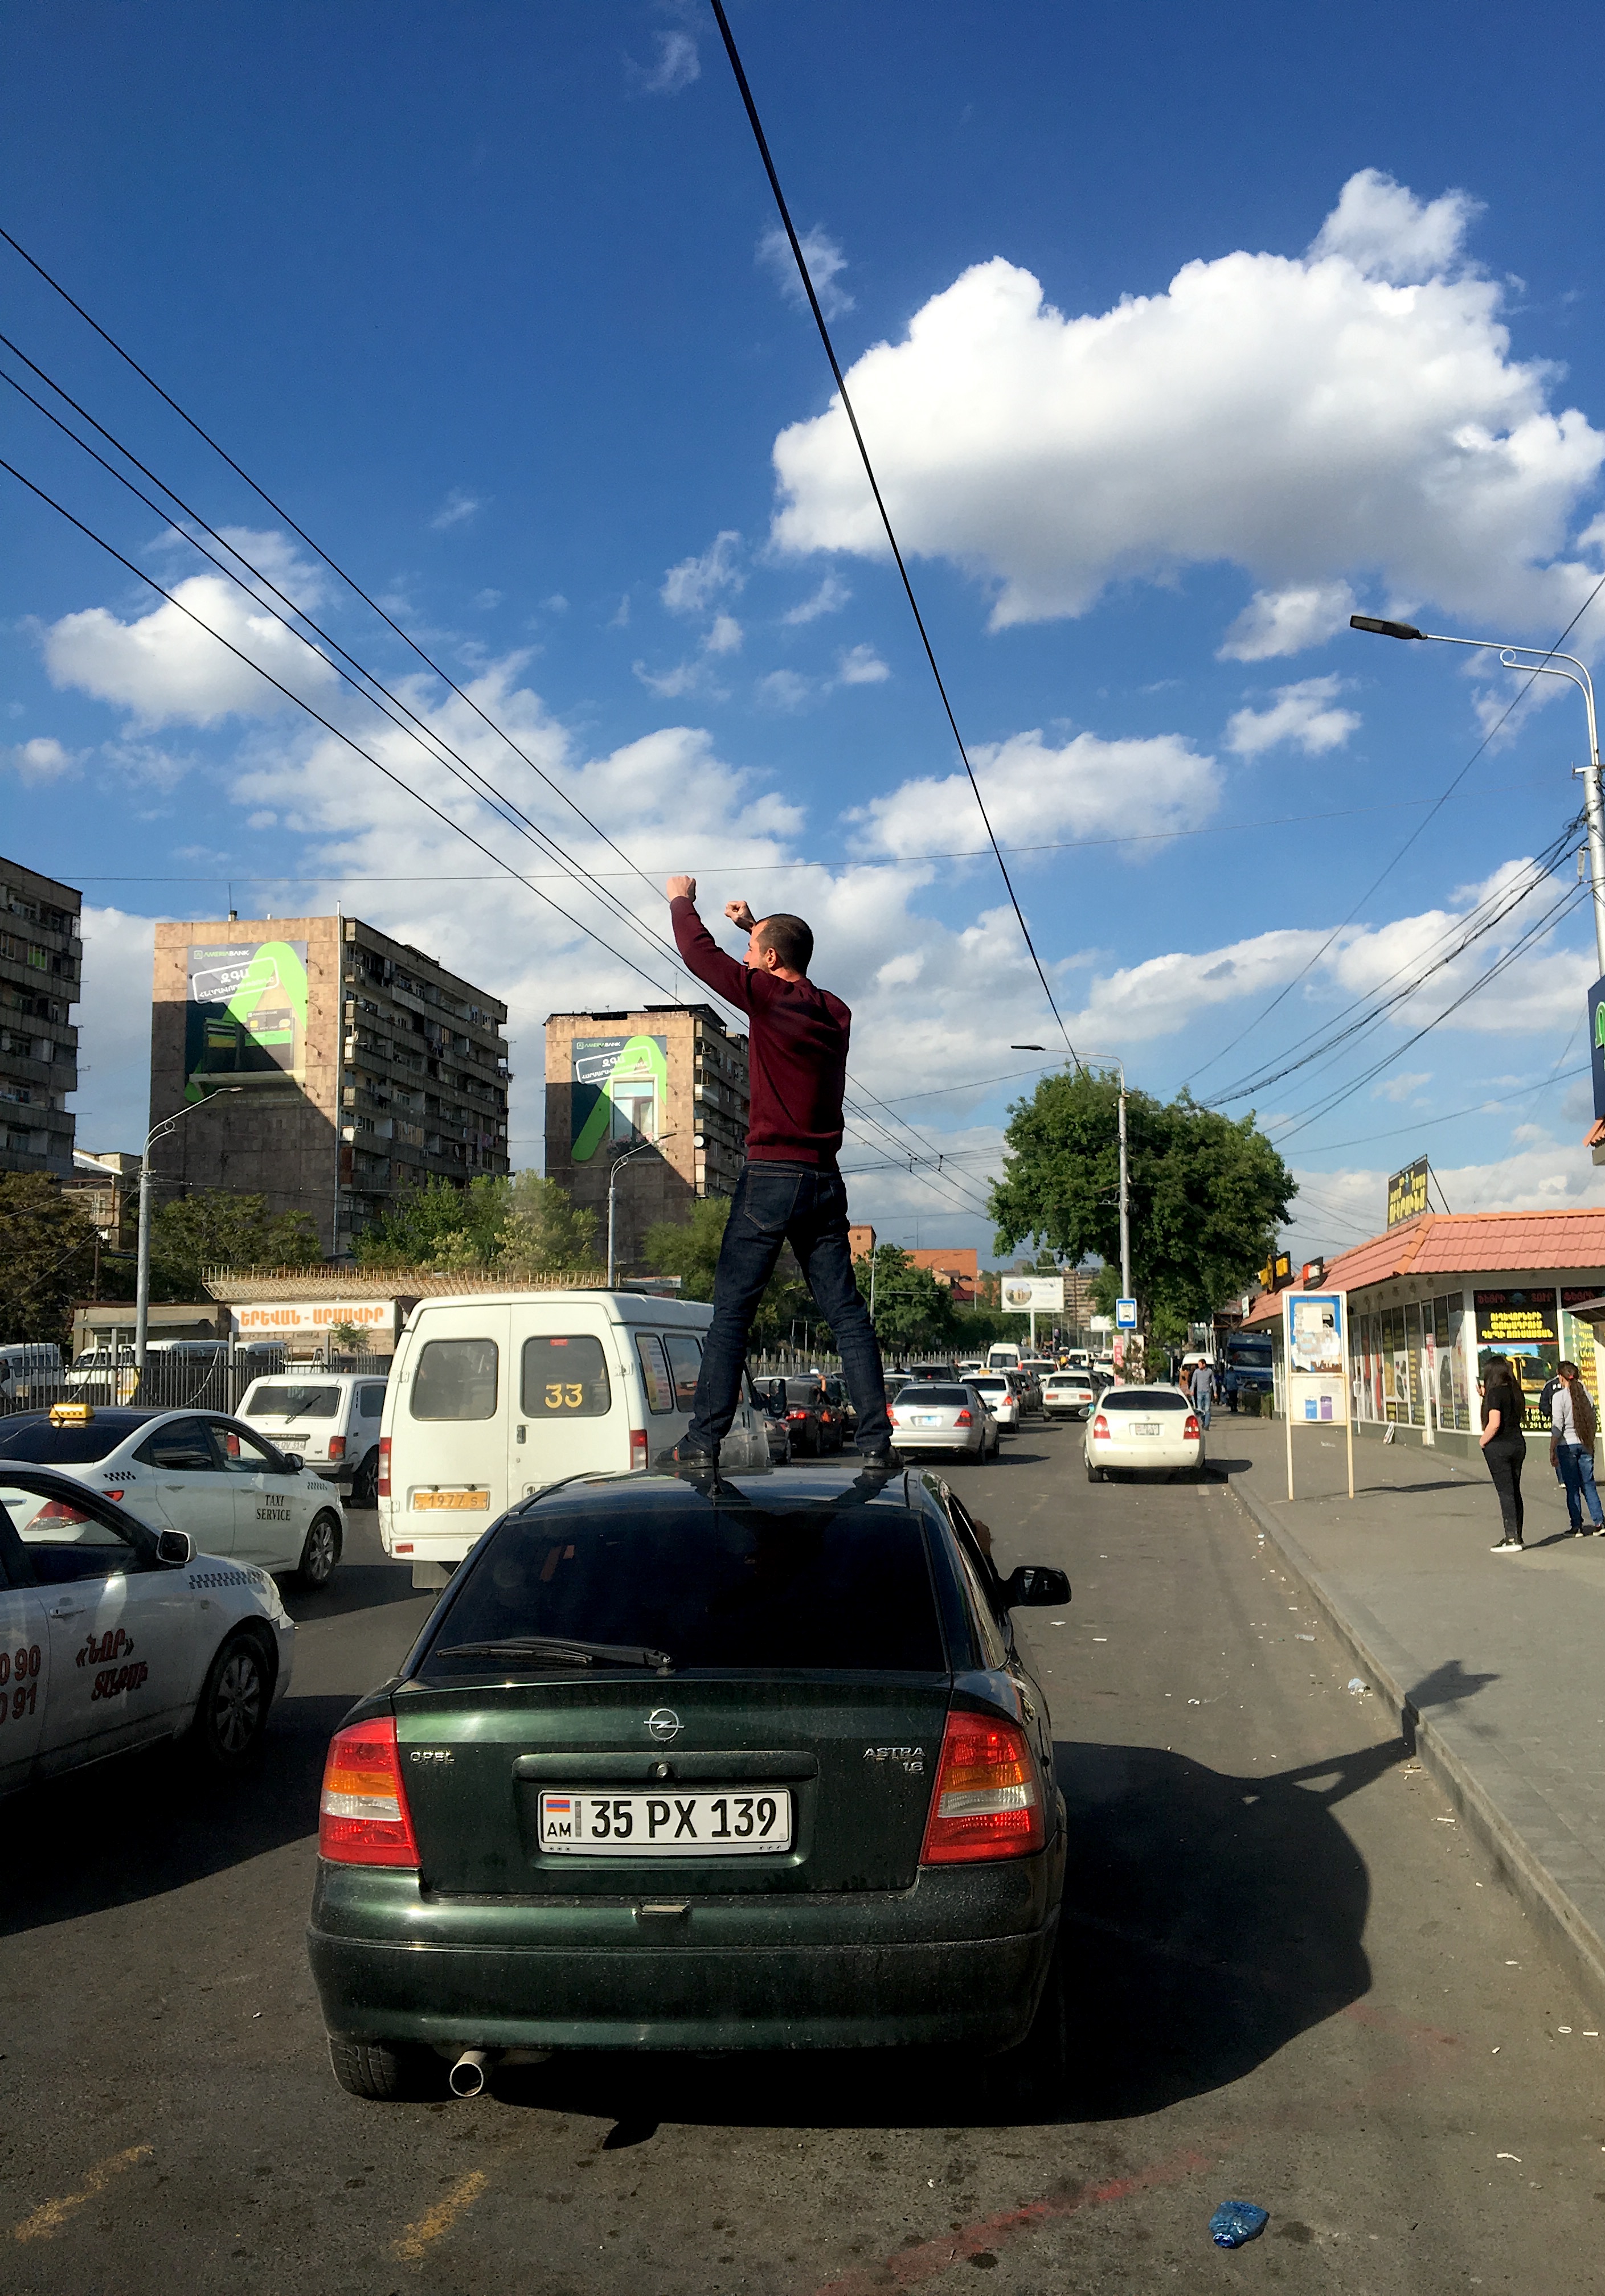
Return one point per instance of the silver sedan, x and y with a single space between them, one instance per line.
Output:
929 1418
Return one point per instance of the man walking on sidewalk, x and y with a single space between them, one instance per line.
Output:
790 1190
1571 1448
1202 1391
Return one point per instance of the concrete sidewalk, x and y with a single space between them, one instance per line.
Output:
1495 1664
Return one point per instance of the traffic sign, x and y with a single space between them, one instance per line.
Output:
1125 1315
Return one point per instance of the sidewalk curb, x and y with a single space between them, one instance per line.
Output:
1567 1929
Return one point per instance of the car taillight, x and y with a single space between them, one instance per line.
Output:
1192 1428
384 1444
337 1447
796 1415
962 1420
637 1448
363 1818
58 1511
1101 1426
987 1802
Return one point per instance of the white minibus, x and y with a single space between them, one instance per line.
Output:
494 1395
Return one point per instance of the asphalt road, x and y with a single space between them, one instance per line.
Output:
1297 1983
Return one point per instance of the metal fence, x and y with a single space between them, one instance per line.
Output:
192 1376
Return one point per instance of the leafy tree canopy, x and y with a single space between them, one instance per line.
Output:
911 1310
1207 1194
212 1228
689 1249
523 1225
46 1255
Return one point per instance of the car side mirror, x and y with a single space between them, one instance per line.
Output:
1031 1585
295 1462
175 1547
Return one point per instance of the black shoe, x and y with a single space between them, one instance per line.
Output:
886 1460
688 1458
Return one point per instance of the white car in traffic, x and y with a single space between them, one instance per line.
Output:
1000 1397
1143 1431
1067 1394
928 1415
116 1634
197 1471
329 1419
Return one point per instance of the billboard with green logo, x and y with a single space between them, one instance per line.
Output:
246 1022
620 1091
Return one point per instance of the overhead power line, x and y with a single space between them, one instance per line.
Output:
836 368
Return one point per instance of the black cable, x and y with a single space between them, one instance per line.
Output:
1452 1115
836 368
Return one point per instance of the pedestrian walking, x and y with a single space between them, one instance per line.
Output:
1203 1392
1504 1446
1572 1430
790 1190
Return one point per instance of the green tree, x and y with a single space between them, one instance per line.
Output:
46 1257
911 1308
1207 1194
211 1228
689 1249
522 1227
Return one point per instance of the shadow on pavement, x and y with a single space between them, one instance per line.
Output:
140 1824
1207 1920
1447 1682
355 1587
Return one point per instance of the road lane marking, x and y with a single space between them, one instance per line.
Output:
411 2246
908 2268
50 2216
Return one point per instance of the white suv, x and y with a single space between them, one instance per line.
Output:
329 1419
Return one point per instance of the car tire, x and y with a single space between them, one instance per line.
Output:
1093 1474
386 2072
320 1554
365 1489
231 1712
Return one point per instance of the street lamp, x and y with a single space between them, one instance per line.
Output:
142 1289
1545 667
618 1165
1126 1207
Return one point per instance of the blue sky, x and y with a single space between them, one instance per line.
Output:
1176 335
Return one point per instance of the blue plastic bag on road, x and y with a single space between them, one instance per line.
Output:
1235 2222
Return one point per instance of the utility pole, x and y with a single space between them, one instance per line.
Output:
618 1165
142 1282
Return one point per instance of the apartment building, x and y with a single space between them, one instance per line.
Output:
668 1077
41 970
323 1065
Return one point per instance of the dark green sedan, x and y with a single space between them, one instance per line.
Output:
680 1765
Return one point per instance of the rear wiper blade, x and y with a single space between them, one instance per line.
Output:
560 1651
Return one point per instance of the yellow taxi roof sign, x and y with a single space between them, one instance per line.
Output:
71 1415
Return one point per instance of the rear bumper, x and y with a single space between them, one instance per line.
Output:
470 1980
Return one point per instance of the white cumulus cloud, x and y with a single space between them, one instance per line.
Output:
1285 621
691 587
861 665
829 598
457 510
42 759
1351 416
677 65
1302 714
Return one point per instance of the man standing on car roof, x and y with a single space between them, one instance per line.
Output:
790 1191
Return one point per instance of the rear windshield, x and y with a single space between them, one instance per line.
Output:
1145 1398
990 1384
1257 1352
922 1392
803 1391
291 1403
735 1587
44 1446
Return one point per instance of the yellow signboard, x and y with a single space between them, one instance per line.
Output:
1407 1192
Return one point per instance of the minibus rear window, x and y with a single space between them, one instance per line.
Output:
455 1379
566 1378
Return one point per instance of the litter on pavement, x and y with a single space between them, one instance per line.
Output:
1235 2222
1357 1688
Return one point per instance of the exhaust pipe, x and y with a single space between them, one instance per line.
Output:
467 2076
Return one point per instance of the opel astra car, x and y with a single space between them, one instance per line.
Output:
679 1763
1143 1430
193 1471
953 1420
115 1634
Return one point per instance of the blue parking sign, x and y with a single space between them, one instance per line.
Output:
1125 1315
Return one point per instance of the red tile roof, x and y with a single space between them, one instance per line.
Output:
1465 1243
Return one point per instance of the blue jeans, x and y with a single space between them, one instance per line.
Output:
1202 1408
1577 1473
804 1205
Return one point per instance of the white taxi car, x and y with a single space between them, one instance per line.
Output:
1143 1431
1000 1398
197 1471
114 1634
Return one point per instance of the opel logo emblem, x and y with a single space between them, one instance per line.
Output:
663 1724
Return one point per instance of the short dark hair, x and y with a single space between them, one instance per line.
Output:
790 938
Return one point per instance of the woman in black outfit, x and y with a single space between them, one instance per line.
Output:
1504 1446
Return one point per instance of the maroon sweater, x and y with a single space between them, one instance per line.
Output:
797 1055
